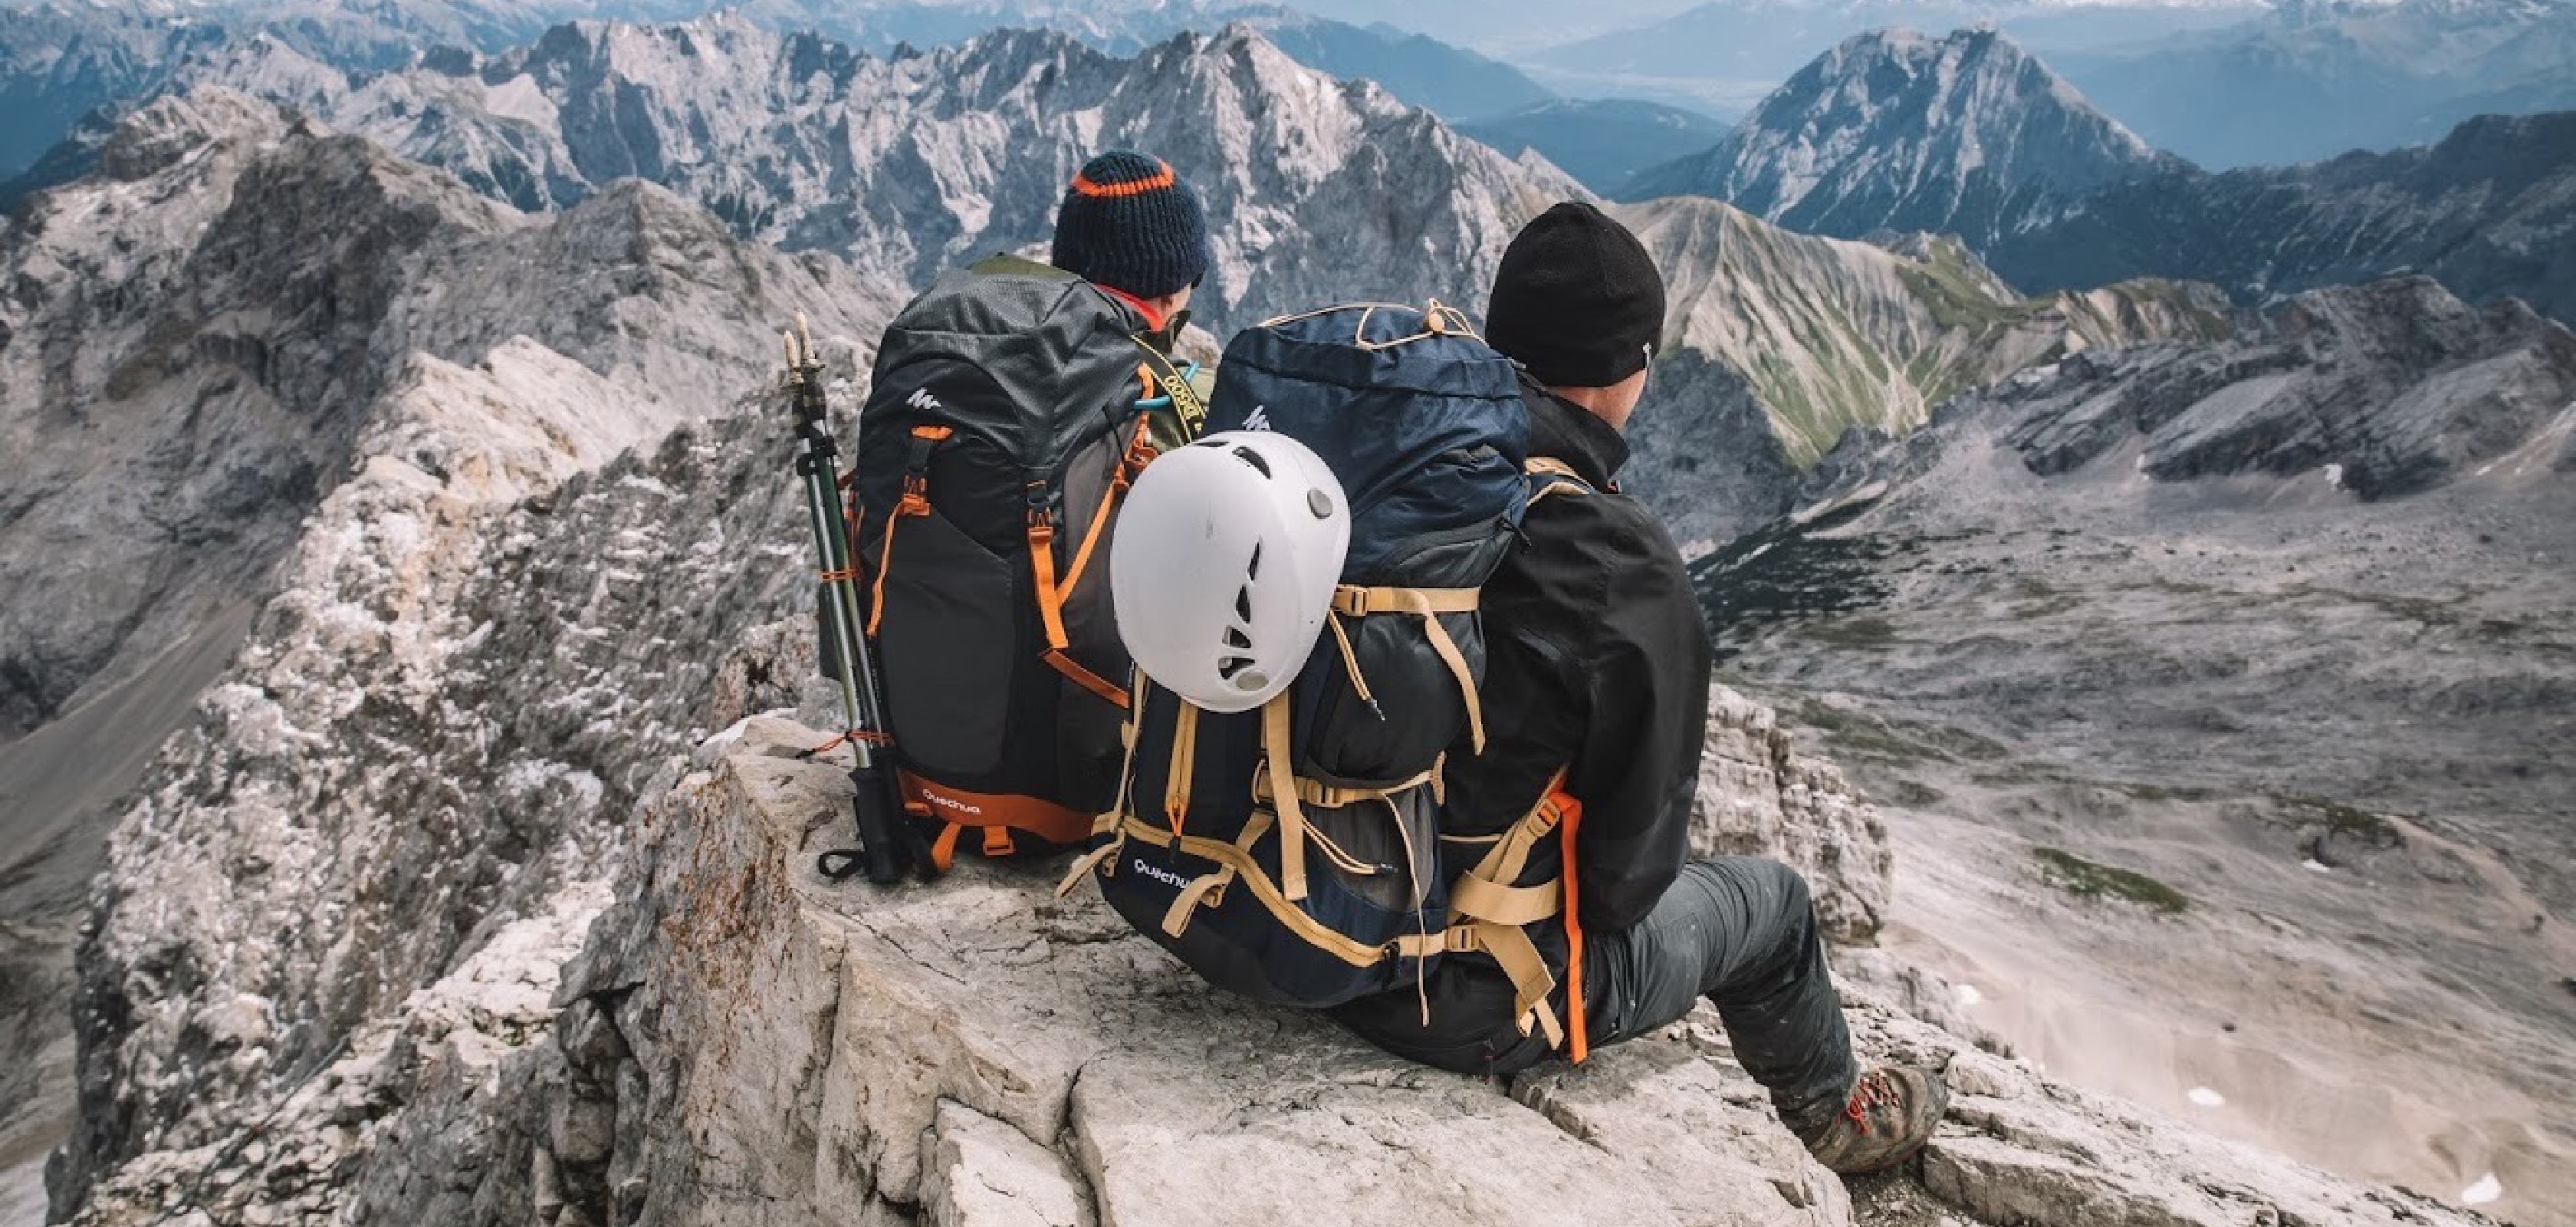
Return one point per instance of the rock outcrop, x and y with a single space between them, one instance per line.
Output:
740 1042
2396 387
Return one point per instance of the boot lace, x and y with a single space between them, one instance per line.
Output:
1874 1090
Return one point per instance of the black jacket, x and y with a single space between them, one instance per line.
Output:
1598 661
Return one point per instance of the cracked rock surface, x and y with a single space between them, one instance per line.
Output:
760 1047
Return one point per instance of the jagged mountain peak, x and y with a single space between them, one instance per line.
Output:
911 164
1893 129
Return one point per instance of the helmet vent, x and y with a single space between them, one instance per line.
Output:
1236 639
1243 604
1253 458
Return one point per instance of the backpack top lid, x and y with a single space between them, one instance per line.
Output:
1422 421
1052 358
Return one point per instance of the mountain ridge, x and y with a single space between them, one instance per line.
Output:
2487 210
1894 130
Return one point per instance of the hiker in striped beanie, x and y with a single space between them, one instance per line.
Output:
1132 227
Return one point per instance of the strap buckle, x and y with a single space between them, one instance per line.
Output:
1040 506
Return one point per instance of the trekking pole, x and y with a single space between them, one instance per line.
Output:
887 845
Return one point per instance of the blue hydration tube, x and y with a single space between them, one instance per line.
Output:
1189 370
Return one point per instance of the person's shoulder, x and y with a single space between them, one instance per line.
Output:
1576 512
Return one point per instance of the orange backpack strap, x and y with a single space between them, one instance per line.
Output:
993 816
1578 1036
1050 596
915 502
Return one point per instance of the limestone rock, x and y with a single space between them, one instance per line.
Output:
1758 797
983 1173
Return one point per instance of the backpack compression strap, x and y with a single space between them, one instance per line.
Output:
1051 593
1488 914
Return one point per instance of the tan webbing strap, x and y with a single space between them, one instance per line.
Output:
1513 951
1350 659
1185 754
1354 602
1551 466
1507 905
1495 909
1089 861
1207 888
1248 871
1106 823
1519 957
1292 814
1457 662
1330 796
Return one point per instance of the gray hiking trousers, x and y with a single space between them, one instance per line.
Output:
1742 933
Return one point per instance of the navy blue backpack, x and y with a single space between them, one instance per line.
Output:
1291 853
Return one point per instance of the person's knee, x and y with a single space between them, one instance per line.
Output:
1777 894
1767 885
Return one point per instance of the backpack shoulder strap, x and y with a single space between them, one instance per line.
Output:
1549 475
1187 406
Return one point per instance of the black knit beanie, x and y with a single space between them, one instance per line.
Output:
1577 300
1130 224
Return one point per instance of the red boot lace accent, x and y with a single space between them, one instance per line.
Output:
1871 1091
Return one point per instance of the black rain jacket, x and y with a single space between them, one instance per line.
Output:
1599 662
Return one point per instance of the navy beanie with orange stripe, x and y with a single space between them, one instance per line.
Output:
1130 224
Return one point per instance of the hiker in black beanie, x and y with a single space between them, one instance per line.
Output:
1595 698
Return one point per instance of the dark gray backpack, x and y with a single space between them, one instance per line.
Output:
1002 428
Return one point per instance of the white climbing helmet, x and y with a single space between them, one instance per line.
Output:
1223 566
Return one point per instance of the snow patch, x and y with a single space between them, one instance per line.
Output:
2314 865
1968 994
2207 1098
2334 476
2486 1190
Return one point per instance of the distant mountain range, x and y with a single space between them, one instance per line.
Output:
60 61
1729 54
1967 135
2224 83
909 164
1602 142
2314 79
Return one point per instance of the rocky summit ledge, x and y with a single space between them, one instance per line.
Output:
704 1033
747 1044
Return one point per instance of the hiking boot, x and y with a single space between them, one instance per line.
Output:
1889 1117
